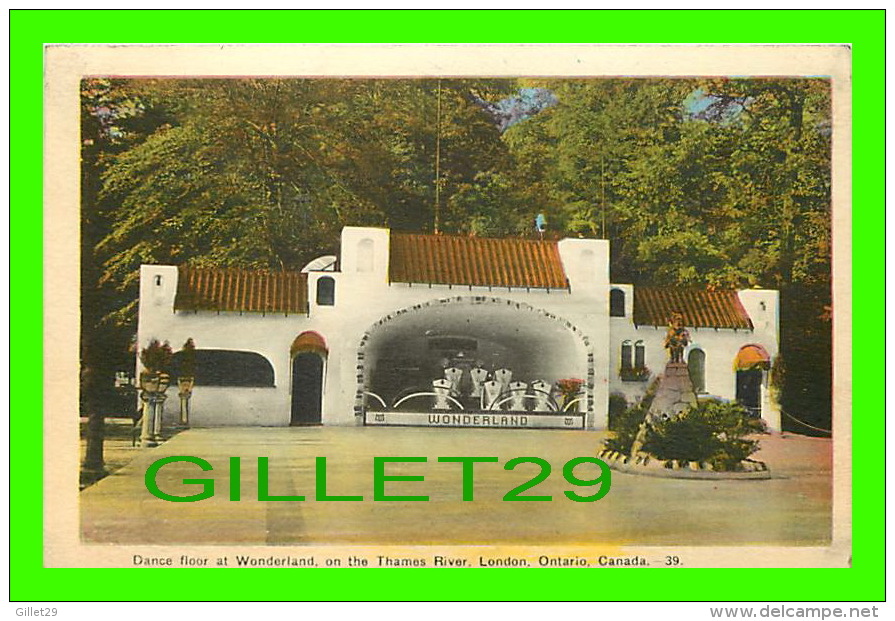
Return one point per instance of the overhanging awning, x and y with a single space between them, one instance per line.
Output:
752 357
309 341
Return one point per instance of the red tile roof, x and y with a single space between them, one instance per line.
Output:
456 260
229 289
700 308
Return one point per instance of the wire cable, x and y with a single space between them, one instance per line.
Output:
801 422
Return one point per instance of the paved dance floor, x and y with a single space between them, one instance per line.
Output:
793 508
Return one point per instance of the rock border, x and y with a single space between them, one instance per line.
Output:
673 469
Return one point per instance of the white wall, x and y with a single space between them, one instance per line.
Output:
363 296
720 346
269 335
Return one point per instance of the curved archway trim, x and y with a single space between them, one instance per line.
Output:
752 356
473 301
309 341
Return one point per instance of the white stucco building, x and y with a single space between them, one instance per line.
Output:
445 330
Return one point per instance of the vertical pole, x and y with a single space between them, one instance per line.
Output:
438 157
93 466
603 195
184 410
157 419
146 429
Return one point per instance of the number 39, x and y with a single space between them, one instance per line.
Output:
604 480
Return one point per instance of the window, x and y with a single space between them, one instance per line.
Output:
326 291
639 355
365 255
616 303
626 355
223 367
696 367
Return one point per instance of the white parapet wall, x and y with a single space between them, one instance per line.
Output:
363 318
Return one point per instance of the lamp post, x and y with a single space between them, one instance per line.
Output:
186 379
153 384
93 467
149 387
153 396
185 390
163 382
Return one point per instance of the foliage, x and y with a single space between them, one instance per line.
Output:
688 198
634 374
626 423
712 431
625 427
156 357
569 387
720 183
617 406
266 172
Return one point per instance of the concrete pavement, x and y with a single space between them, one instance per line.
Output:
793 508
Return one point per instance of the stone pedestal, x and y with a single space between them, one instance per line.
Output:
674 394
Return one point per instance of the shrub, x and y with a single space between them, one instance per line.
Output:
647 399
156 356
712 431
627 424
617 406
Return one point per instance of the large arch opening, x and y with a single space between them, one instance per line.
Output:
468 343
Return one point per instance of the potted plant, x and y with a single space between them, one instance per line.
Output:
155 357
569 389
634 374
154 379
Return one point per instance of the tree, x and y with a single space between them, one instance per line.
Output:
718 183
704 182
264 173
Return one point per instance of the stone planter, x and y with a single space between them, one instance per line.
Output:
185 385
646 465
153 386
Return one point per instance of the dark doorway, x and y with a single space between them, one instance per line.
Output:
749 390
307 389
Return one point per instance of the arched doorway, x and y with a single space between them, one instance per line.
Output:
696 367
308 354
751 364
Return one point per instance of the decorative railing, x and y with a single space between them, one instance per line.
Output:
532 396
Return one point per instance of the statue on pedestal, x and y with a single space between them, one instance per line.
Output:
676 338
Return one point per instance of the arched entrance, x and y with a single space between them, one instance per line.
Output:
308 353
751 364
407 352
696 367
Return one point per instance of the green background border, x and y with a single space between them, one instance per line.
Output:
864 30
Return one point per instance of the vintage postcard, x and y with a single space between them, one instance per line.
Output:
447 306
